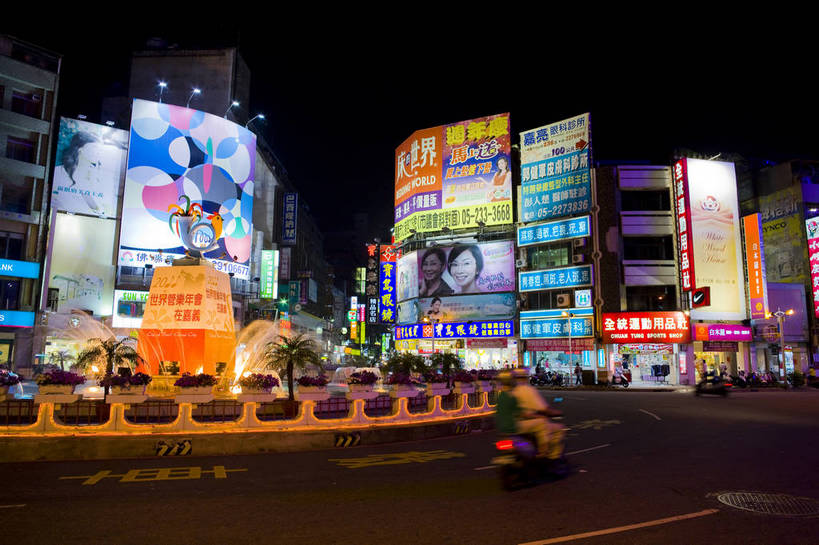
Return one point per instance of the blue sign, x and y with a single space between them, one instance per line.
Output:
567 277
290 218
16 318
555 313
556 328
19 269
554 231
462 330
556 187
387 292
583 298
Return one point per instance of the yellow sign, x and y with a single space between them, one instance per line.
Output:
462 217
155 474
412 457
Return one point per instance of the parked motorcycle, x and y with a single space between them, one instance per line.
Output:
539 380
713 387
619 380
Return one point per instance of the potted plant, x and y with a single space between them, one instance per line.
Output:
257 383
400 381
362 382
435 381
463 378
291 353
121 385
8 379
111 353
309 383
58 382
196 384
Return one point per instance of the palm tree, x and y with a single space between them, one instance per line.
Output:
291 353
406 363
448 363
62 356
114 353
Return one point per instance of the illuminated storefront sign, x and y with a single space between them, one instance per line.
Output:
371 283
269 274
290 218
560 345
554 231
16 318
454 176
683 210
556 169
553 328
19 269
812 228
129 307
387 300
654 327
723 332
566 277
464 330
755 260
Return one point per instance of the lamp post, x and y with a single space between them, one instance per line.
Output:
162 86
780 318
195 91
428 320
257 116
232 104
569 315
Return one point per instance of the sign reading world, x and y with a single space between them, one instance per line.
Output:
567 277
465 330
553 231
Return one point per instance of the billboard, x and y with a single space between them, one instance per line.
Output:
269 281
467 330
755 261
387 284
554 231
715 233
556 169
782 231
89 168
552 279
455 176
408 277
290 218
188 188
129 307
557 328
81 265
371 283
489 306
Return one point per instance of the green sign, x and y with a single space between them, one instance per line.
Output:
269 274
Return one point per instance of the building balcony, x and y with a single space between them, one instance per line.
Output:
650 272
651 223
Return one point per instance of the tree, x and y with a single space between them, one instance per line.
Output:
405 363
61 356
113 353
290 353
446 362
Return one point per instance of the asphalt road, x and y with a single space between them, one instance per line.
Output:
657 458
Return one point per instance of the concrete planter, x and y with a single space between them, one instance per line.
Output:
49 389
256 391
312 389
360 387
403 390
128 390
196 390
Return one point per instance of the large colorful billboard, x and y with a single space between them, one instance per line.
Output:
387 285
489 306
129 307
554 231
782 230
556 169
81 266
716 233
755 261
188 189
454 176
89 168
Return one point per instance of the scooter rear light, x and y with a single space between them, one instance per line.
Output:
506 444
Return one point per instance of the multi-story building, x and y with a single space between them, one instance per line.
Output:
29 81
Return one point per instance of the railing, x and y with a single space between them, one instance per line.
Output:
70 415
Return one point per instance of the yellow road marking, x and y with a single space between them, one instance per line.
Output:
418 457
594 424
155 474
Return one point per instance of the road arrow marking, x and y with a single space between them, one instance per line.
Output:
650 414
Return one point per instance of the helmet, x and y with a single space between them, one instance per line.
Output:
520 373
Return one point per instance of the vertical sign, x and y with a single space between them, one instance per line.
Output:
269 277
290 218
354 331
284 265
371 283
387 284
755 260
812 228
683 210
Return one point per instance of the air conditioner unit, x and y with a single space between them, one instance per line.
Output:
520 263
578 258
578 242
564 300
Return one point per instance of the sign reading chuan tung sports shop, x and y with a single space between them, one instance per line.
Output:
655 327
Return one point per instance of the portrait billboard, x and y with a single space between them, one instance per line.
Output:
716 241
455 176
88 168
460 308
487 267
188 189
81 266
556 169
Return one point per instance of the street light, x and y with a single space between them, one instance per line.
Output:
780 318
569 315
162 86
232 104
259 116
196 91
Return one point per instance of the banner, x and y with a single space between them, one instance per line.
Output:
371 283
812 228
782 229
554 231
755 261
566 277
188 189
490 306
683 212
269 284
290 215
387 300
715 233
556 169
284 263
88 168
456 330
652 327
723 332
454 176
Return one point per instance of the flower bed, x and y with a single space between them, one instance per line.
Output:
58 382
258 382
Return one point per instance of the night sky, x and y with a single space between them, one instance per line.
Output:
338 102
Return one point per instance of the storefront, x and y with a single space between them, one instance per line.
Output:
480 345
648 347
721 348
557 354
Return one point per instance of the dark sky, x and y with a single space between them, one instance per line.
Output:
338 102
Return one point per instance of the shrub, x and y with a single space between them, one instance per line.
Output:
307 380
399 378
487 374
9 379
57 377
463 376
364 377
432 377
193 381
258 381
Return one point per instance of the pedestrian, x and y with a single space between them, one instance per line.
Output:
578 375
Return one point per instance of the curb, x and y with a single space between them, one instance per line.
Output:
105 447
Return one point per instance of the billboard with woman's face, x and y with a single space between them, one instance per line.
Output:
466 269
460 308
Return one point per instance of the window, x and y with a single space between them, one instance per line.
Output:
14 198
648 248
544 258
11 246
645 200
30 104
9 294
643 298
20 149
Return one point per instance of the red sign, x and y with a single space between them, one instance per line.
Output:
701 297
486 343
559 345
388 254
651 327
683 210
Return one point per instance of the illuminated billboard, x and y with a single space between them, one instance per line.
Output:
129 307
188 189
715 233
88 168
455 176
81 265
489 306
755 261
812 228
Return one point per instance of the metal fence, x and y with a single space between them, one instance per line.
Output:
380 406
152 411
217 411
85 412
18 412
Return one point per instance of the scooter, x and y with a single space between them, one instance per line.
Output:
712 387
539 380
619 380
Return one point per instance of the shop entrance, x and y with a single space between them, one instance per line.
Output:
6 346
646 364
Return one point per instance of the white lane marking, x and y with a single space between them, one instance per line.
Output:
12 506
618 529
588 449
484 467
650 414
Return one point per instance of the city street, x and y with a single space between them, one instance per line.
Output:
647 468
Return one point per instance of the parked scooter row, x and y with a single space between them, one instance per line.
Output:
549 378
